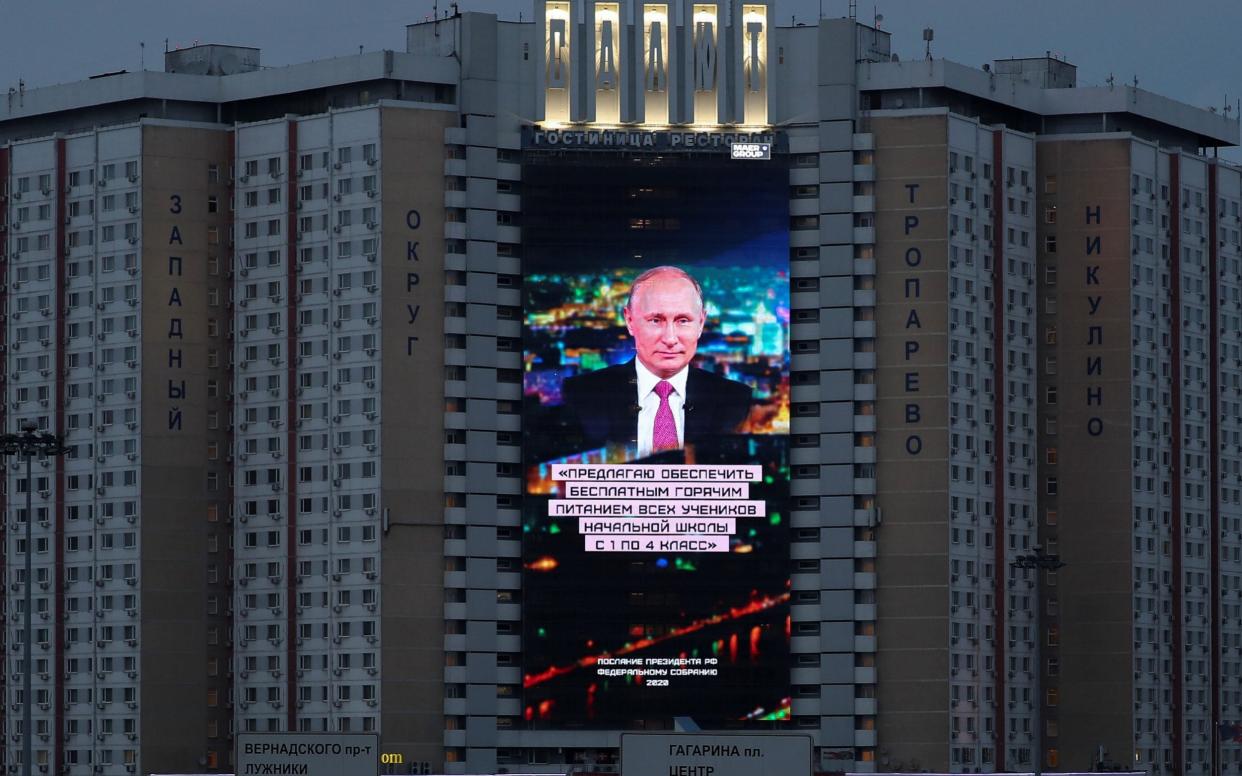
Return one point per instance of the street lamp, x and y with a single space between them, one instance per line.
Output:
1041 562
29 443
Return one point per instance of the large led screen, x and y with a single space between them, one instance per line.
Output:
656 457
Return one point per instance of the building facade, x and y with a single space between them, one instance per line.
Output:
277 315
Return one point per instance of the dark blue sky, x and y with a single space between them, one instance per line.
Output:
1187 50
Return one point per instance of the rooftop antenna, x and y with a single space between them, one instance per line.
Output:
853 10
1110 81
142 55
928 36
875 31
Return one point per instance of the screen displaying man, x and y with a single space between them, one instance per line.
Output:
658 401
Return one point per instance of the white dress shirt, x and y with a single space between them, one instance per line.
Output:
649 404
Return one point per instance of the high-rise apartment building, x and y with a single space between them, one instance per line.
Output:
1138 480
278 316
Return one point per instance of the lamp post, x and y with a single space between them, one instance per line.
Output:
29 443
1041 562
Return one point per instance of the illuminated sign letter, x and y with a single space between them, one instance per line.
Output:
606 71
656 81
704 56
558 53
754 78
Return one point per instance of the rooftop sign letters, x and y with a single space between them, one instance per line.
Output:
672 62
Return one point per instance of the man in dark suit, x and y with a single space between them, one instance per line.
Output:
657 401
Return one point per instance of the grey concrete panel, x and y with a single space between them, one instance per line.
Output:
837 697
481 193
481 414
481 573
481 351
481 130
836 731
836 292
836 102
480 445
481 668
837 259
837 510
837 573
836 166
480 162
481 286
481 509
481 382
481 604
836 448
480 319
481 224
836 542
836 478
836 135
837 385
481 731
836 198
837 668
835 417
801 362
480 44
837 60
478 96
481 541
481 476
480 636
836 354
836 604
480 700
480 256
804 331
836 321
836 636
836 228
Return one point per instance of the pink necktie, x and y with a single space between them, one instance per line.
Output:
664 433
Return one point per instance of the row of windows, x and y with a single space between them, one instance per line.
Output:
107 171
309 724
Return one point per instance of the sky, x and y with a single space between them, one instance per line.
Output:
1194 55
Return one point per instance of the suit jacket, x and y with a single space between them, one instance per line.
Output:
604 404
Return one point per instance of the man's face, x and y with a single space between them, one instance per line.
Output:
665 319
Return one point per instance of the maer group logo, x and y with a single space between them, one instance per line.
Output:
750 151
